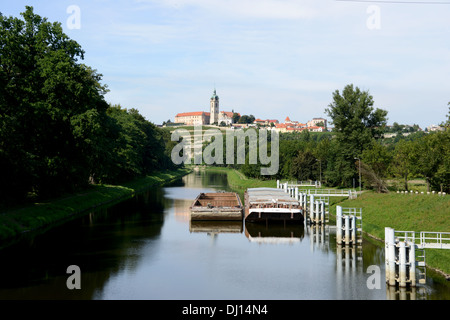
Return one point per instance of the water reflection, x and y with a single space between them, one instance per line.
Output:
102 243
216 227
274 233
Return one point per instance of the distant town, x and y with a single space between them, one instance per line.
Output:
234 120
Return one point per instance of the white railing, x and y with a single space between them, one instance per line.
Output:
328 192
309 183
426 239
438 240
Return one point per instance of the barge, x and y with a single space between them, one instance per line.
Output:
220 206
266 204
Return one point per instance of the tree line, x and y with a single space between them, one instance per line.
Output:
57 132
356 146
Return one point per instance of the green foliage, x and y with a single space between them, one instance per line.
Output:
357 124
246 119
57 133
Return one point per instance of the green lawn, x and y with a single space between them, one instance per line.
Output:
405 212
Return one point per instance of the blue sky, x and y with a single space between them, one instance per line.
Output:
269 58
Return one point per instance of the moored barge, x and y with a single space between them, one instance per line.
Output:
220 206
266 204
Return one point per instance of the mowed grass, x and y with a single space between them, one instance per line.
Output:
405 212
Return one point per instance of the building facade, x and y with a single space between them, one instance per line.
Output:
315 121
215 116
193 118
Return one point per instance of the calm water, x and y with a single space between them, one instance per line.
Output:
146 248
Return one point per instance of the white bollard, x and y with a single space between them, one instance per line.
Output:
402 261
322 210
386 252
339 225
353 230
311 208
390 236
296 193
278 184
412 264
346 230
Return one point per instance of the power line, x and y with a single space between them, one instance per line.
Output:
396 2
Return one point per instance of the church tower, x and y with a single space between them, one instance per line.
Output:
214 117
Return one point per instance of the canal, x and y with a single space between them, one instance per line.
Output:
147 248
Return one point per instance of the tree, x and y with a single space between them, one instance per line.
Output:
236 117
402 161
431 159
375 163
356 125
355 120
246 119
305 166
51 109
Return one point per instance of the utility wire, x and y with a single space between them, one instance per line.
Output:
396 2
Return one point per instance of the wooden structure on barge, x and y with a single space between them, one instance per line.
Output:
220 206
271 204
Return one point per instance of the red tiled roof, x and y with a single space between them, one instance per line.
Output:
229 114
190 114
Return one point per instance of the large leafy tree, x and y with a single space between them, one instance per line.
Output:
51 108
356 125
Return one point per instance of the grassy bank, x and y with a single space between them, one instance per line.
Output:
411 212
40 215
237 180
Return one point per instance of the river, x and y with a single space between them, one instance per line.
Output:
147 248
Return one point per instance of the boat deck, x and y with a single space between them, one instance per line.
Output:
217 206
264 204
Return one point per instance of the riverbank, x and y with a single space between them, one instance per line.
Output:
405 212
411 212
43 215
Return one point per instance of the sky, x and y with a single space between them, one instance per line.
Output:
267 58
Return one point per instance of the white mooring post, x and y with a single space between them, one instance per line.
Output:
311 208
346 230
278 184
391 248
285 187
353 227
296 193
339 225
412 263
400 259
402 268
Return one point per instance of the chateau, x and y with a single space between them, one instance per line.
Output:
204 118
217 117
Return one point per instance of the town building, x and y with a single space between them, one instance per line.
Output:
267 122
215 116
315 125
317 122
193 118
